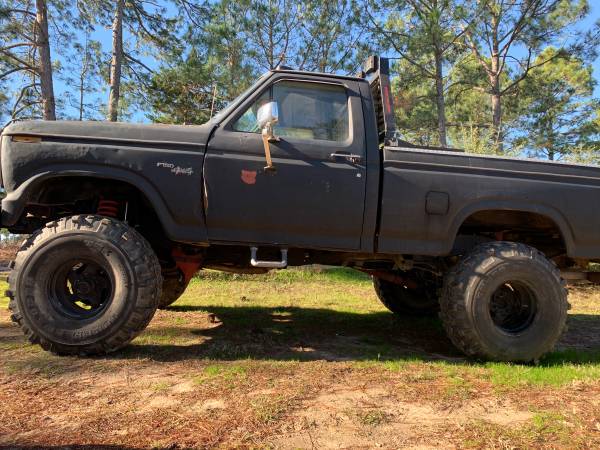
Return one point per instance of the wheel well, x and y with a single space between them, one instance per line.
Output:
68 195
530 228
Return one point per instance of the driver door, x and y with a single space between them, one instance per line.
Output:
315 197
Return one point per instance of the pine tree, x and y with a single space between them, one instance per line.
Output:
182 93
425 35
508 36
558 109
25 51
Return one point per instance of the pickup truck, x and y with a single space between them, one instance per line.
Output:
302 168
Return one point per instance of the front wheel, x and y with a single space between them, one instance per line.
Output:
504 301
84 285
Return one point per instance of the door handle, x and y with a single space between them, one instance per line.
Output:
350 157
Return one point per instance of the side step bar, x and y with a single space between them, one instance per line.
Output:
269 264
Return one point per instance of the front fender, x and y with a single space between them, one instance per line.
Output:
179 217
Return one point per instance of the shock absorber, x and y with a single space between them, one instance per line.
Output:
108 208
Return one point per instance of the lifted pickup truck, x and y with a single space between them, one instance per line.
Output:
302 168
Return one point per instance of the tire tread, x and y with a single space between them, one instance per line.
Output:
453 312
144 262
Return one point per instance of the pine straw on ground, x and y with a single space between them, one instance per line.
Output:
300 361
8 250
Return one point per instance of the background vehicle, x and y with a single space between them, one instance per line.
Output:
120 213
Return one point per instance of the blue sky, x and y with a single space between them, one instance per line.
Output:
586 24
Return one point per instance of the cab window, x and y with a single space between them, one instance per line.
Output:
309 111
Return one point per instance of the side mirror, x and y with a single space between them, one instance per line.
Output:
268 115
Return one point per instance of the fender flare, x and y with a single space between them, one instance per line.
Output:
15 201
517 206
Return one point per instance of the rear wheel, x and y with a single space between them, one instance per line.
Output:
417 298
173 287
84 285
504 301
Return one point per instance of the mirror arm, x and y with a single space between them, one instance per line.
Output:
267 136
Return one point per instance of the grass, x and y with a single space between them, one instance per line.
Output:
223 373
307 314
261 345
372 417
547 427
268 409
3 298
512 375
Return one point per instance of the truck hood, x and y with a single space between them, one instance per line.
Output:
114 131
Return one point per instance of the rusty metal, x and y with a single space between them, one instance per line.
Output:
26 139
237 269
391 277
188 264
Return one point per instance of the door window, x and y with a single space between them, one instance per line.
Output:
310 111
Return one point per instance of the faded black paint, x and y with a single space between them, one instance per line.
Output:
376 206
163 162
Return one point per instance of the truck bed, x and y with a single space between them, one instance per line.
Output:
427 195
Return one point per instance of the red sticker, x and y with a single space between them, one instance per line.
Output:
249 176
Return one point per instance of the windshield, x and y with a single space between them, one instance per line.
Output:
233 103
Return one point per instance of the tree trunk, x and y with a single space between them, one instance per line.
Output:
82 75
81 96
496 108
494 76
116 63
45 65
440 100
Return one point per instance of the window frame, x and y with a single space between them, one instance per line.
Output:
230 122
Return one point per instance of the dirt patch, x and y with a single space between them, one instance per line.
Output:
210 405
8 250
163 401
341 418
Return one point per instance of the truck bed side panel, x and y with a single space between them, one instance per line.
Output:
427 195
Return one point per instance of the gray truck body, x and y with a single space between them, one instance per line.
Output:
207 184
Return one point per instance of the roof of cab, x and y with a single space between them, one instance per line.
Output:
318 74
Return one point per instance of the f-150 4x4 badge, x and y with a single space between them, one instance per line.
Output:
176 169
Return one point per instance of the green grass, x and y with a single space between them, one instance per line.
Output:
269 409
221 372
548 427
306 314
3 298
513 375
557 369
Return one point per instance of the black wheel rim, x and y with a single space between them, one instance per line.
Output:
513 307
81 289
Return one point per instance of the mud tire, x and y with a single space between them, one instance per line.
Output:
480 328
421 302
134 277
